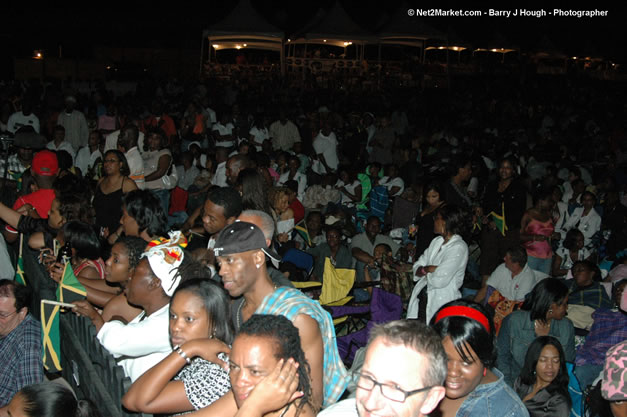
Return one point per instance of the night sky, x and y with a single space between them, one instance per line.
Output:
151 25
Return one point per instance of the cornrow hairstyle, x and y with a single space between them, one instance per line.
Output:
287 345
135 246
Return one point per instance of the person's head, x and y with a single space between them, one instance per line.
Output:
187 159
49 399
264 340
142 212
199 309
70 103
618 289
234 165
373 227
279 199
574 240
69 206
588 200
574 173
94 138
125 255
240 250
254 190
467 333
65 160
314 222
158 273
433 195
557 193
451 220
613 387
262 220
82 239
515 258
114 162
545 363
14 302
547 300
578 186
403 371
585 273
58 134
381 251
507 168
462 167
334 237
156 140
222 206
129 135
45 164
543 200
293 162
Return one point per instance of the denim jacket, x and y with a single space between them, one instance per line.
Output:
495 399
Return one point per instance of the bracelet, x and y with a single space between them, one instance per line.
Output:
178 350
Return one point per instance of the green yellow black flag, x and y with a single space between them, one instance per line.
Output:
68 291
304 233
19 270
499 220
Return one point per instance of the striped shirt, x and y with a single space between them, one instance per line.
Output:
290 302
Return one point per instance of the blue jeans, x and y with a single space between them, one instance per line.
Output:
164 199
539 264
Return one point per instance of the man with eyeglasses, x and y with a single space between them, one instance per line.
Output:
20 342
403 373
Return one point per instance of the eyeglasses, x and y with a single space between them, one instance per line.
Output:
389 391
7 315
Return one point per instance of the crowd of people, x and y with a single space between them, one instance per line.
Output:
494 210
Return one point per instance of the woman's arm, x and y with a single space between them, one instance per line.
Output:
555 269
155 392
453 261
162 168
99 293
10 216
128 185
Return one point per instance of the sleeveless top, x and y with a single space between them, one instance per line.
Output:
108 208
98 264
540 249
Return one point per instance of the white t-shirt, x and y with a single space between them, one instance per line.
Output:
327 146
512 288
224 130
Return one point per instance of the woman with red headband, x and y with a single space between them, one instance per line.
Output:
473 386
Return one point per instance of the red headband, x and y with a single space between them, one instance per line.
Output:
463 311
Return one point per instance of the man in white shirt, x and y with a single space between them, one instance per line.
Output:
25 117
223 132
75 124
403 373
219 178
59 143
87 155
513 278
325 147
284 133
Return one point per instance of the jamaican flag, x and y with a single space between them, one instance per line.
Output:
499 219
301 229
19 271
68 291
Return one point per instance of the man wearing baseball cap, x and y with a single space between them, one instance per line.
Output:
44 170
241 251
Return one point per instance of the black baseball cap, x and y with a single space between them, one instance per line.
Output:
241 237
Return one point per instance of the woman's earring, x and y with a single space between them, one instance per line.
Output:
258 266
485 371
550 311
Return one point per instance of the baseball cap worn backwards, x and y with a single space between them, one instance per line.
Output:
45 163
241 237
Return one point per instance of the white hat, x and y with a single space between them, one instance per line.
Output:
165 256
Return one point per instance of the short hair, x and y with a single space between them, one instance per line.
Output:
592 267
456 218
589 193
571 238
22 294
385 246
145 208
286 345
216 303
64 159
466 332
420 338
163 138
83 238
543 294
125 170
518 254
559 385
55 400
292 185
228 198
266 223
135 247
133 135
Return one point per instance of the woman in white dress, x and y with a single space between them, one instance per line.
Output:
439 271
585 218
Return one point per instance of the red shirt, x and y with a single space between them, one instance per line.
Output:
41 200
298 209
